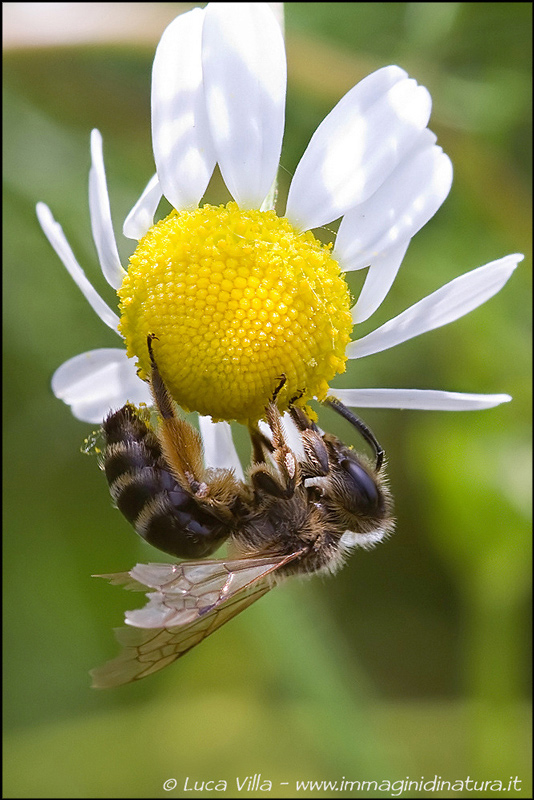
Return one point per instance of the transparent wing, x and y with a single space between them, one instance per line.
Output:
193 599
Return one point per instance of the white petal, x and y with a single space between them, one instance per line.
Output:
422 399
141 217
449 303
54 233
357 146
101 224
245 85
181 140
378 282
97 382
401 206
219 448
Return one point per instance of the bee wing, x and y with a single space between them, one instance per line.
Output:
192 600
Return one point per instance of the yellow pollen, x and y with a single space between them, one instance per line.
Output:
236 299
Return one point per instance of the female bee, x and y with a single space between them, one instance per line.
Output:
295 515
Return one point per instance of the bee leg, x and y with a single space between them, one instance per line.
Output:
282 481
279 388
260 445
283 456
180 443
296 397
360 426
317 463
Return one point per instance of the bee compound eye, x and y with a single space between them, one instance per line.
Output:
362 485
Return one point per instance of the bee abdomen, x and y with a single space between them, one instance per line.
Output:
126 424
131 444
133 489
181 532
162 512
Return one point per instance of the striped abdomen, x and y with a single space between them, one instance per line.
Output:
144 489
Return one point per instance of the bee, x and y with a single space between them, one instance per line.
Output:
296 514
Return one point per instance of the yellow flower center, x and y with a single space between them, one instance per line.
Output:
236 299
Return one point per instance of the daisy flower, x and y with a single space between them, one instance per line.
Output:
236 294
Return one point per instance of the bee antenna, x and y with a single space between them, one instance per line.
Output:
360 426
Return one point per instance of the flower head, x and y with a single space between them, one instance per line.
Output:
242 299
237 295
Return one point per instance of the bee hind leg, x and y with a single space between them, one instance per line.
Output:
180 443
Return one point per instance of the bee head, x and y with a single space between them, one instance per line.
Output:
354 490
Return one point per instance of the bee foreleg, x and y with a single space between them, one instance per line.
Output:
280 482
317 463
283 456
260 445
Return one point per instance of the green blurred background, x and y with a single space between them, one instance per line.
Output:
413 661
